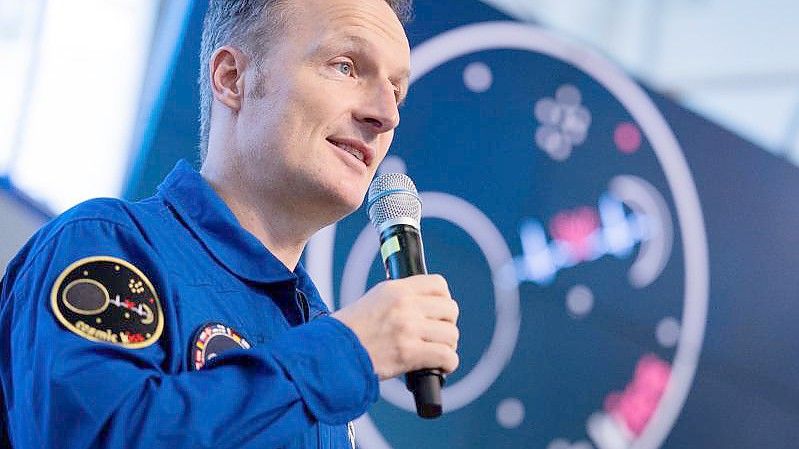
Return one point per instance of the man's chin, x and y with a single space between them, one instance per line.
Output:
351 206
339 214
343 204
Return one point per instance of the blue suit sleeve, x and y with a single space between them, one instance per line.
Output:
65 391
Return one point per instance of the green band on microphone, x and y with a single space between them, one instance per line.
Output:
389 247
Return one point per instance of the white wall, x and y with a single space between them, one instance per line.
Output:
17 225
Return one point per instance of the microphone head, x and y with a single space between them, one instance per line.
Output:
392 200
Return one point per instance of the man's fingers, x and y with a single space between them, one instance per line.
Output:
446 310
441 332
439 356
406 325
428 284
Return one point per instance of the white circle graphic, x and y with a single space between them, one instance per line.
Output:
668 332
506 297
510 413
516 36
477 77
579 301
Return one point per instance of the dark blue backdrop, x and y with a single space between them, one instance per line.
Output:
564 213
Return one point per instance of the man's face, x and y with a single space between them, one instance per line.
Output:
320 117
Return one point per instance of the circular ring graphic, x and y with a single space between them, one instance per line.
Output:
641 196
512 35
508 320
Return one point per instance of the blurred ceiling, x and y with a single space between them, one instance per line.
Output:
733 61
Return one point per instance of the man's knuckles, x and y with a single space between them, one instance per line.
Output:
444 358
433 284
439 282
452 362
455 337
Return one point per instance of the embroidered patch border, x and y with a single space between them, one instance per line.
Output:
107 299
208 332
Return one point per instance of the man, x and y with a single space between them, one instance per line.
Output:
185 320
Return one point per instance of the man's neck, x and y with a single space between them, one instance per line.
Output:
276 226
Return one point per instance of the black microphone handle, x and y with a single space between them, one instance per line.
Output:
403 255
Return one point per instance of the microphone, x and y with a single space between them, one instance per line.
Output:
395 210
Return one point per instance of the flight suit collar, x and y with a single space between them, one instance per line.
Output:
213 223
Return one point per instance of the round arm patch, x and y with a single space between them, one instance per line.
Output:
109 300
212 340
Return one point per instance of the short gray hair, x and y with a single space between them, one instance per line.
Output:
247 25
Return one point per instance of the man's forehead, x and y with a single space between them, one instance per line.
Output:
375 15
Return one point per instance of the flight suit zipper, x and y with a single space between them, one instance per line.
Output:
304 306
305 312
324 433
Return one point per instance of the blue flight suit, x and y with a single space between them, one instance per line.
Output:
75 384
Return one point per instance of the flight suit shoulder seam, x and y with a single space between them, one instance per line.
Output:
61 227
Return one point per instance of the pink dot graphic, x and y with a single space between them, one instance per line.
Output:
627 137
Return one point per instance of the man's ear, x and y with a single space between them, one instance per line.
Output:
227 67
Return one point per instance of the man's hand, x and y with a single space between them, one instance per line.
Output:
406 325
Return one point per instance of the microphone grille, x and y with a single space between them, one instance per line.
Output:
393 197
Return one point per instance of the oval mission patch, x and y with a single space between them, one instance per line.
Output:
107 299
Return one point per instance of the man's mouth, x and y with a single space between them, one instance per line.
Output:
356 150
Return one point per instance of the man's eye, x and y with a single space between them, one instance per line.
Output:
345 67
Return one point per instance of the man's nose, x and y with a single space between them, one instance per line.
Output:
379 110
